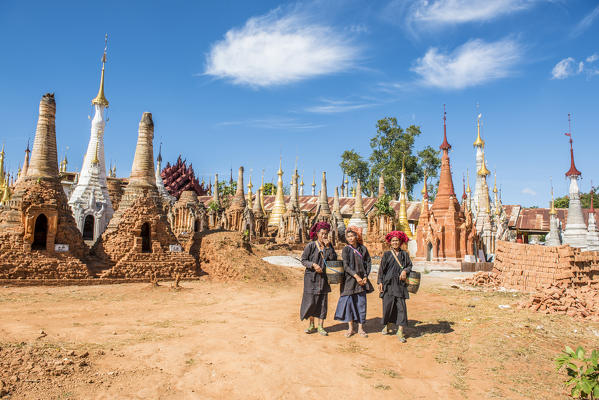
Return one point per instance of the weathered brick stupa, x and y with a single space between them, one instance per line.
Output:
235 211
38 235
138 241
443 233
292 227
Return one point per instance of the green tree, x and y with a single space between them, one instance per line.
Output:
389 147
430 163
356 168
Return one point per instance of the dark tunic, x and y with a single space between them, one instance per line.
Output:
395 291
354 264
316 285
352 301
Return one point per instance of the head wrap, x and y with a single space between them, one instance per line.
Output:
357 231
403 238
317 227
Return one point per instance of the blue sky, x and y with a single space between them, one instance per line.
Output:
241 83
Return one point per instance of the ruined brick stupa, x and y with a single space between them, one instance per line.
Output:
138 241
38 234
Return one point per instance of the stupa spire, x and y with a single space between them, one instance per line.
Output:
445 146
404 224
478 142
250 194
572 171
100 99
44 160
279 206
337 206
323 200
382 185
238 201
142 171
314 184
215 193
358 217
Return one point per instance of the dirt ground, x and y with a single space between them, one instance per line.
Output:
214 340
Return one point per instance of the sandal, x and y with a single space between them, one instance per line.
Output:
400 335
322 332
311 329
386 330
363 334
349 334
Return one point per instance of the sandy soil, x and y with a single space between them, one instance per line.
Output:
214 340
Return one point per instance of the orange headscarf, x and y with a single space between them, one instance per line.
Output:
357 231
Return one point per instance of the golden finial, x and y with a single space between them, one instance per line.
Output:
478 141
100 99
467 181
483 171
95 161
424 188
250 186
495 184
302 180
280 171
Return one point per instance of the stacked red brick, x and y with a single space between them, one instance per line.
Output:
530 267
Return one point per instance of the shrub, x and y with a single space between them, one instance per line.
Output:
583 372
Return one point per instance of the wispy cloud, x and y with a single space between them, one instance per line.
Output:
462 11
585 23
529 191
569 67
329 106
280 48
273 123
474 63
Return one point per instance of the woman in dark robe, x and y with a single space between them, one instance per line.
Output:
392 281
355 284
316 283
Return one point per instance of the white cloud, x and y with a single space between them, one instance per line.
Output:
586 22
273 123
337 106
592 58
473 63
277 49
564 68
569 67
462 11
529 191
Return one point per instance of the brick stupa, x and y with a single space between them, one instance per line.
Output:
138 240
39 238
443 233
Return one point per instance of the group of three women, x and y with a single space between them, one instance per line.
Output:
392 281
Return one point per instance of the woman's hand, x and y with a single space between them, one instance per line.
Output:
403 276
380 287
317 268
359 280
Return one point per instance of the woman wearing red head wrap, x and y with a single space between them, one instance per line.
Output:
316 283
393 272
355 284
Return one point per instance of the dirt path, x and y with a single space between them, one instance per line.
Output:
237 340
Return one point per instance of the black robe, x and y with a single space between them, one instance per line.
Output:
395 291
354 264
316 285
389 272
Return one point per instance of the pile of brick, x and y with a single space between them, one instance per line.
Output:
483 279
531 267
559 298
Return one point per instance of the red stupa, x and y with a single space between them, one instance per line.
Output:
179 178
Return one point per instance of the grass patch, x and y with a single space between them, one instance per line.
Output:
380 386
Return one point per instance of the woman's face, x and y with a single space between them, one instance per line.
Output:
395 243
352 238
322 235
